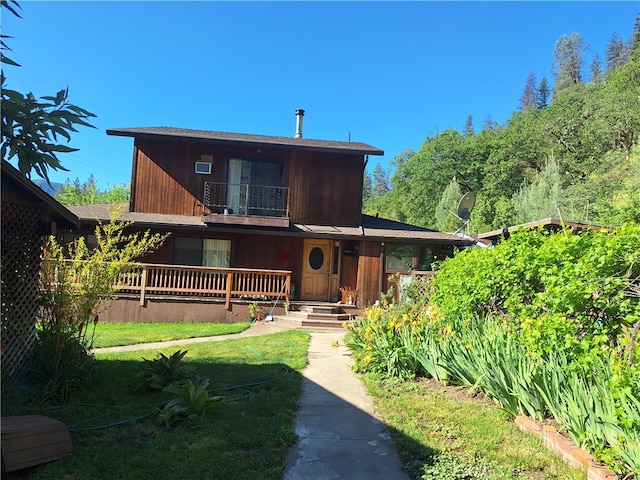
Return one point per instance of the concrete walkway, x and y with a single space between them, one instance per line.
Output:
340 435
258 328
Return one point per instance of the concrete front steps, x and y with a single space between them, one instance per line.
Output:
320 316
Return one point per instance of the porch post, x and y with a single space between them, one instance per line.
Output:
287 288
227 302
143 285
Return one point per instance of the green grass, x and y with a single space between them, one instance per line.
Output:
245 437
116 334
455 433
116 436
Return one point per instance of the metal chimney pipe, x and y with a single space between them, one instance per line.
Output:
299 115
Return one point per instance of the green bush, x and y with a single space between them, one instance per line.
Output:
560 291
542 324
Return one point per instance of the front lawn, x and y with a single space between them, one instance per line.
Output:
444 433
115 334
116 434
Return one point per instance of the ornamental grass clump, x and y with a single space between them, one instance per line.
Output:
481 353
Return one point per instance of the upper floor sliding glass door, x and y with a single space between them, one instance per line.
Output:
251 183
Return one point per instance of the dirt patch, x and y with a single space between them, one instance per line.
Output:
455 392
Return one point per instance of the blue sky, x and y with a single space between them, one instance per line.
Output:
388 74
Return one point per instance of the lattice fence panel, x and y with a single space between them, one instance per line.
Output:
21 257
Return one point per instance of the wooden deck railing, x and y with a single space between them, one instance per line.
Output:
177 280
145 279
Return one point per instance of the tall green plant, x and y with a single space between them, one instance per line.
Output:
76 281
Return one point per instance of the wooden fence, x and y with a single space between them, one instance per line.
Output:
227 283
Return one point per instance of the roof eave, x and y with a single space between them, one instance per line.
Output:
253 143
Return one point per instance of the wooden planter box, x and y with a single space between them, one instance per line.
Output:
31 440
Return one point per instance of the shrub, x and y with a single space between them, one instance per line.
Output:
75 282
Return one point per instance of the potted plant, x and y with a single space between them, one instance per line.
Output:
287 307
254 309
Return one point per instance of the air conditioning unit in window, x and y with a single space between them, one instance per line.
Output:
203 168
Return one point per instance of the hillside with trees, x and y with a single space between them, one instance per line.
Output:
570 149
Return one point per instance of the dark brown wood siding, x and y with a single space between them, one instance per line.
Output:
247 250
164 178
325 187
369 273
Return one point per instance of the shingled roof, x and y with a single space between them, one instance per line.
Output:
372 228
264 141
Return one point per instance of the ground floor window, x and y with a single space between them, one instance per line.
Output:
402 258
216 253
399 257
208 252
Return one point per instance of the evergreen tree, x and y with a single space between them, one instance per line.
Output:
597 75
568 57
542 93
366 188
540 198
529 94
617 53
77 193
446 220
468 126
635 39
380 182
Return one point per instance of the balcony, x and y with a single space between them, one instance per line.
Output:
245 204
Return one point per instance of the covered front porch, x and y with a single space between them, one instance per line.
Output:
175 293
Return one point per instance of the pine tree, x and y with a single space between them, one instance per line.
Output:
597 75
617 53
76 193
568 59
446 220
366 187
635 38
489 123
542 93
380 183
529 94
540 198
468 126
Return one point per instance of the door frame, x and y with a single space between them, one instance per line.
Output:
329 276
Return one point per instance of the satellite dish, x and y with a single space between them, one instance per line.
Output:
465 205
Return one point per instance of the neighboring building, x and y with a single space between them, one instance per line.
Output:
263 202
552 224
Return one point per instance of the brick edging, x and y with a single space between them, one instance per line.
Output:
568 451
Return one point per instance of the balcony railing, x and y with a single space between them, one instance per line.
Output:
188 281
246 199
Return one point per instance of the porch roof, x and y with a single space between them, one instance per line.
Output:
372 228
172 133
16 188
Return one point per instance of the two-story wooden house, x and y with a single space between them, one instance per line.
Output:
264 202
